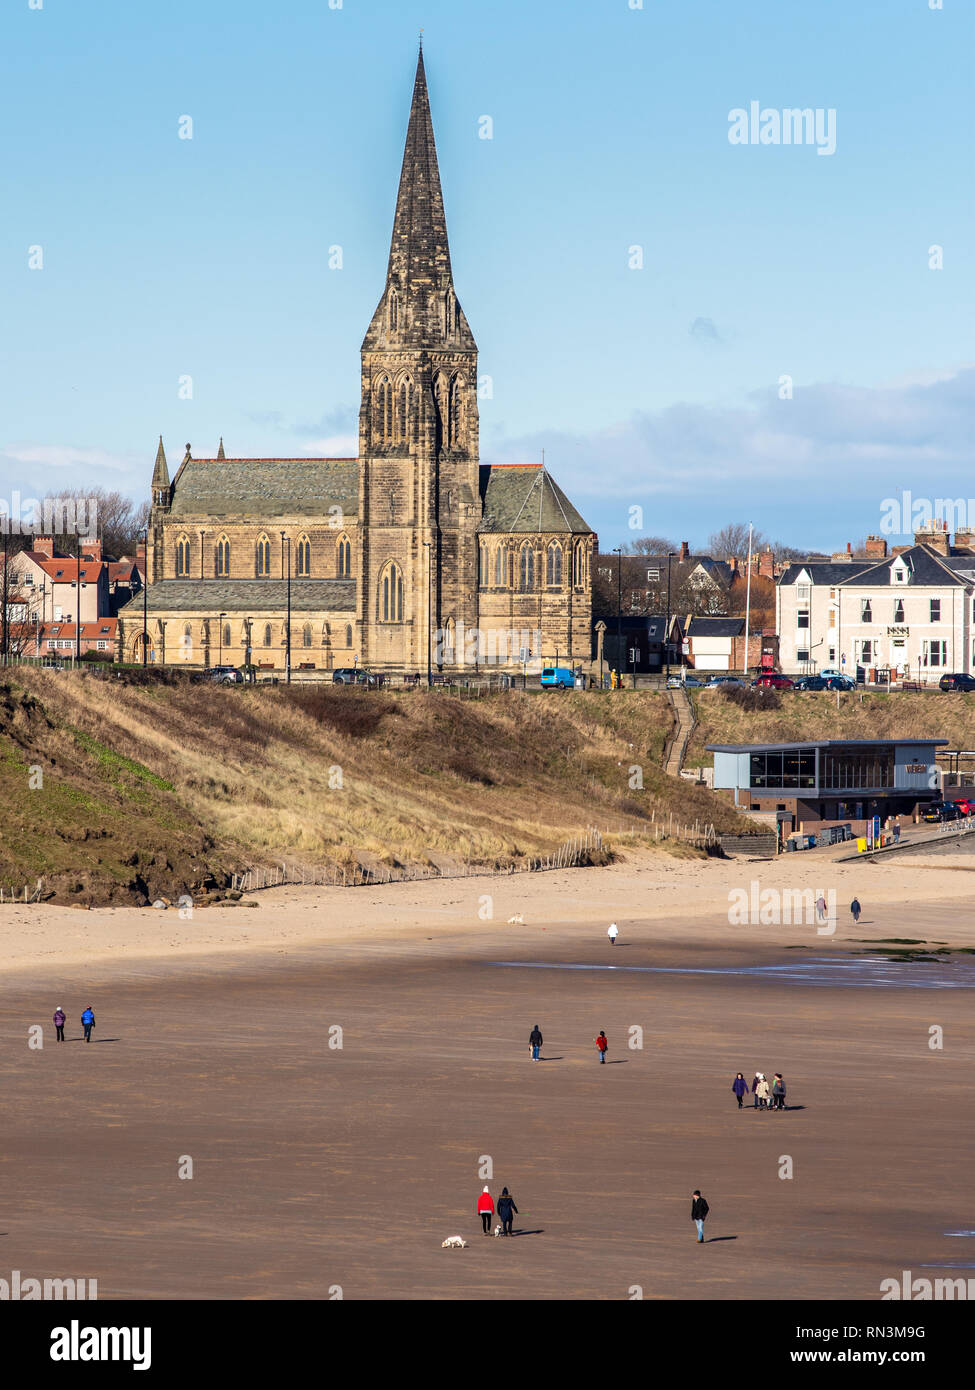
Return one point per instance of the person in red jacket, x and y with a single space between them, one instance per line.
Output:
485 1210
602 1042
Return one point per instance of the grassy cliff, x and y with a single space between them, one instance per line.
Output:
155 788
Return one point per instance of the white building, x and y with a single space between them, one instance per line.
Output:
911 613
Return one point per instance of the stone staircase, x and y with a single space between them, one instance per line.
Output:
681 737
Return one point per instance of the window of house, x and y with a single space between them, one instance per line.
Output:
900 574
802 617
934 652
866 652
866 611
802 653
101 644
831 654
802 593
653 576
936 610
898 610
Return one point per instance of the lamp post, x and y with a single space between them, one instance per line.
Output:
145 596
5 596
287 631
247 652
670 556
220 618
618 552
428 546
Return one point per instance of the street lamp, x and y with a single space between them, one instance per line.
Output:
670 556
145 594
428 546
618 552
247 653
220 618
287 633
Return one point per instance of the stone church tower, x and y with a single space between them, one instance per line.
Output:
419 502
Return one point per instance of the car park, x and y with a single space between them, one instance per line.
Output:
956 680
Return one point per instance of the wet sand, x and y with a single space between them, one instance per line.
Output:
317 1167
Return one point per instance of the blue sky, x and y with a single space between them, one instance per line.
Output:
655 388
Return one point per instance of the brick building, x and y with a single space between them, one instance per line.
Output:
414 550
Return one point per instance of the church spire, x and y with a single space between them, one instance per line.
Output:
160 474
220 452
418 252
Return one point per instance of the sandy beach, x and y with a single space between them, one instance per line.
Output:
319 1167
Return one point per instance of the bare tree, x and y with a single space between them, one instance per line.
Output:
119 520
732 541
650 545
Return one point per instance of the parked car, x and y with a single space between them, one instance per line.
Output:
773 680
722 682
956 680
557 678
828 671
965 805
692 683
224 675
674 682
811 683
941 811
841 683
351 675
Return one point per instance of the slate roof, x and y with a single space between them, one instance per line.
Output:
927 567
824 571
213 596
715 627
265 487
524 498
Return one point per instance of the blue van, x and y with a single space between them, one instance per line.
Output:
557 678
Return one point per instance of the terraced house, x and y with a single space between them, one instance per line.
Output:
414 546
910 613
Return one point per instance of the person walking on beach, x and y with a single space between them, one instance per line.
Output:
506 1211
613 933
699 1213
740 1088
855 909
756 1079
88 1019
485 1210
602 1043
60 1019
762 1092
821 908
778 1092
535 1041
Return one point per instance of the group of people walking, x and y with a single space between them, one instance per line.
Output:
768 1095
61 1018
507 1211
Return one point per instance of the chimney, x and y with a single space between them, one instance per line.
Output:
766 563
849 547
876 548
965 538
935 535
44 545
92 550
685 550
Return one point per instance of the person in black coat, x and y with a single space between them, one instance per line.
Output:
535 1041
506 1211
699 1211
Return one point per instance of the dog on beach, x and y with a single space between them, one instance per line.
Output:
497 1230
454 1243
517 920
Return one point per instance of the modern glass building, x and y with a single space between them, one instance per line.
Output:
838 780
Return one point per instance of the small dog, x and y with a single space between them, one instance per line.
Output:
497 1230
454 1243
517 920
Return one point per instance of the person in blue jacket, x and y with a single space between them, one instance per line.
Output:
506 1211
740 1088
88 1021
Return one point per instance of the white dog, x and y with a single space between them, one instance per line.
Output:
454 1243
516 920
497 1230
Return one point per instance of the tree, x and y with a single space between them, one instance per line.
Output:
650 545
732 541
118 520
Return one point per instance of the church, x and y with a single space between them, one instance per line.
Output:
414 555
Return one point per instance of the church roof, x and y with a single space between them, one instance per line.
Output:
523 497
265 487
250 597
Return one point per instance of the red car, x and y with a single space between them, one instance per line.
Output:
774 681
965 805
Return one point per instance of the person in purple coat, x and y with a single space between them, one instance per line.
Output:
60 1019
740 1088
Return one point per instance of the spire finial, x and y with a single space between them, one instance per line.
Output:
421 40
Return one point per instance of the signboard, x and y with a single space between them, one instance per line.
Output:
916 767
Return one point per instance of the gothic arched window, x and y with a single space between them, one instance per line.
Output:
306 635
526 575
579 566
393 311
263 557
384 410
223 558
404 410
484 567
391 594
457 393
348 636
501 567
344 565
553 566
226 634
267 634
304 557
182 557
